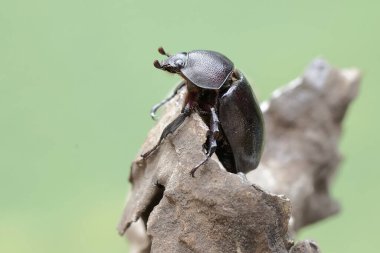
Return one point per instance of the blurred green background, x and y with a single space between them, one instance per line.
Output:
77 83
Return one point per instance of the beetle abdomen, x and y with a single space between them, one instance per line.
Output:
242 122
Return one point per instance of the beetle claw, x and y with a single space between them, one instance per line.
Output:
204 146
193 170
153 116
199 165
192 173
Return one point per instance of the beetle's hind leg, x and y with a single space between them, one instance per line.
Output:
177 122
212 136
157 106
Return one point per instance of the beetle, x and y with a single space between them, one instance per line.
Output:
224 99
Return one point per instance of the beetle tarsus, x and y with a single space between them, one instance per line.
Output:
177 122
154 110
211 140
193 170
157 106
147 154
153 116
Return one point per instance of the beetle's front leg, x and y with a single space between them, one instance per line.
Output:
212 136
177 122
157 106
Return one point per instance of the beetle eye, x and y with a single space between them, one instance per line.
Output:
179 62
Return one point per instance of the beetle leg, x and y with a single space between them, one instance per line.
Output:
214 133
212 136
157 106
177 122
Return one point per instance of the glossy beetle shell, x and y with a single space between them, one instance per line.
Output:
242 123
207 69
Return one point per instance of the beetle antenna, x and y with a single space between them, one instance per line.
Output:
157 64
161 50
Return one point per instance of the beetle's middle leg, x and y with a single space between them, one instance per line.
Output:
212 136
177 122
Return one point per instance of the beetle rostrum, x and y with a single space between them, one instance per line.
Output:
223 98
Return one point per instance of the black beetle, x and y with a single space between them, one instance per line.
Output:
223 98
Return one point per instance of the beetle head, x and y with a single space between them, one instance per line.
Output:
173 64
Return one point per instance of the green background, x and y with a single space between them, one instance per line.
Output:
77 83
